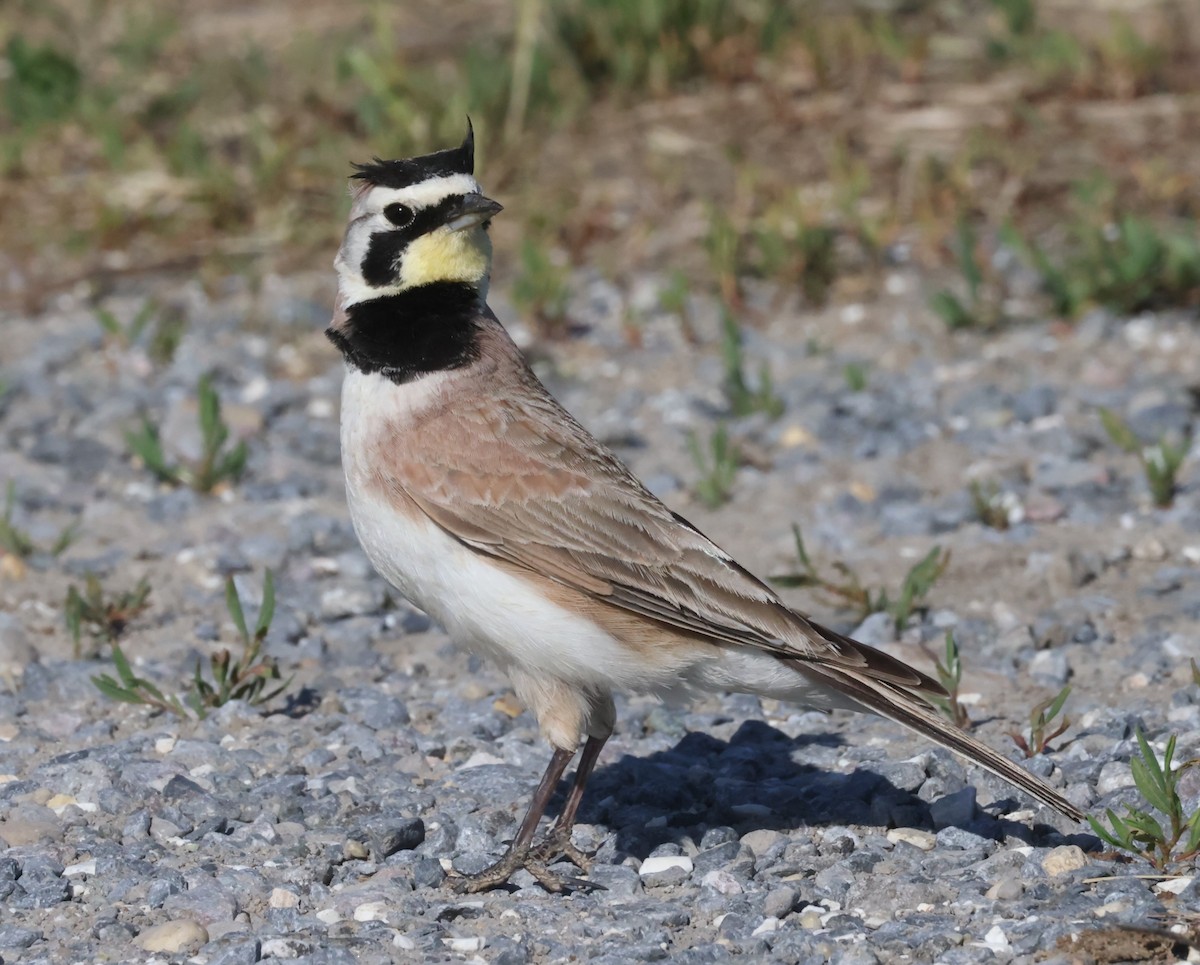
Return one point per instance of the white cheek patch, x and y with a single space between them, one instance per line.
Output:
348 264
424 193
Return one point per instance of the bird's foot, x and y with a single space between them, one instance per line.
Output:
557 844
532 860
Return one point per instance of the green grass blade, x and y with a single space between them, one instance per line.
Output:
266 612
233 604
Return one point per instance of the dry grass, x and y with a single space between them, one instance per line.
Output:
206 138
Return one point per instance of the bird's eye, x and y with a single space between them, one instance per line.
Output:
401 215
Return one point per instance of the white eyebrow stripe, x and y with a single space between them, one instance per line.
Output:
425 193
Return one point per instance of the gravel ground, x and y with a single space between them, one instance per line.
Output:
321 827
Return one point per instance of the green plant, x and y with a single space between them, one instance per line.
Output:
1160 462
250 677
805 254
979 309
1040 718
653 46
394 97
1138 831
128 333
1125 263
106 619
1134 265
541 288
950 671
855 375
726 256
1067 290
917 583
848 588
13 540
216 464
744 400
718 463
17 542
44 84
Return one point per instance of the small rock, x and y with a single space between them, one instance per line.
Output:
173 936
617 879
1149 549
914 836
208 902
29 824
877 630
779 902
955 809
340 602
1006 889
1113 776
1063 860
12 936
762 840
722 882
282 898
661 863
810 917
1050 668
465 946
371 911
766 927
242 952
16 652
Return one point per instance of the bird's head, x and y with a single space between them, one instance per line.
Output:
414 222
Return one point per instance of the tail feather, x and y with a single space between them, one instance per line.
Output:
896 704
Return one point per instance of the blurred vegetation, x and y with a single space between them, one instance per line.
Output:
822 139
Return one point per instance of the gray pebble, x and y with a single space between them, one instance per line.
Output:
13 936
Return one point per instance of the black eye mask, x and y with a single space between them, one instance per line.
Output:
381 264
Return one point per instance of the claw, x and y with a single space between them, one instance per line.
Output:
533 861
557 843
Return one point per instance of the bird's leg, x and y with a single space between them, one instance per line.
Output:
558 838
519 854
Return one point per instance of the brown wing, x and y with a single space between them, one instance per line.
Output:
512 475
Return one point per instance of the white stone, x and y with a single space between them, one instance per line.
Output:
172 936
722 882
658 863
1173 886
371 911
1063 860
914 836
474 943
768 925
995 939
480 759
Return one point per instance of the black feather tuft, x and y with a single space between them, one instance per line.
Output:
405 171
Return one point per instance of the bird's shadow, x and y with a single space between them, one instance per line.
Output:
752 782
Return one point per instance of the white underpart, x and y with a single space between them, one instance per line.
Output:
503 617
368 218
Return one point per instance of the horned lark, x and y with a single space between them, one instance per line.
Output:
484 502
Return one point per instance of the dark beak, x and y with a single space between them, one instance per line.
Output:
474 209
